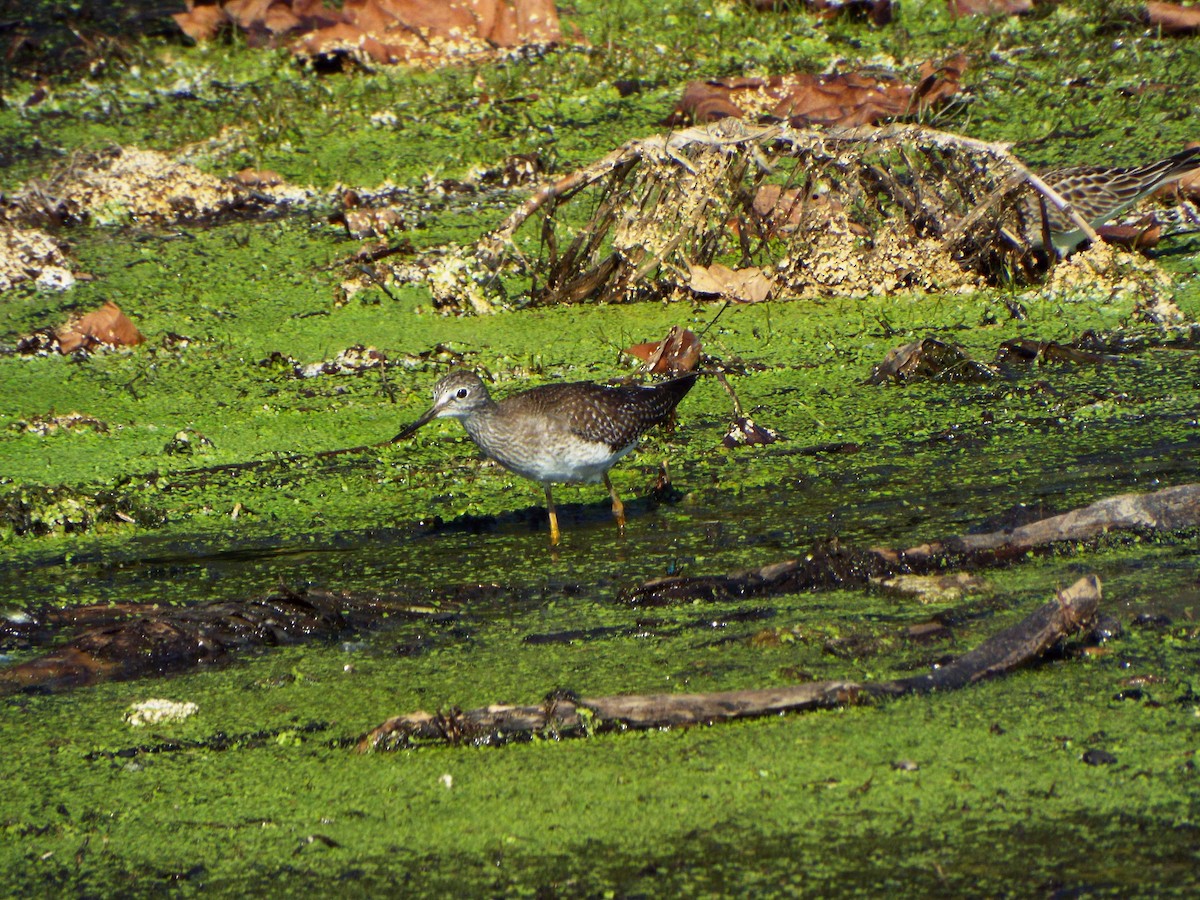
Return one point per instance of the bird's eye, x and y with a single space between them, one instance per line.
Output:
461 394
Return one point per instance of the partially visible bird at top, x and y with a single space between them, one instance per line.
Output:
1097 193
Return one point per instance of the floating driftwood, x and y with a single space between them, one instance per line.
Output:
844 210
831 565
133 640
1171 509
569 716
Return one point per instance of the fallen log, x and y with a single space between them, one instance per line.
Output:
1171 509
569 716
134 640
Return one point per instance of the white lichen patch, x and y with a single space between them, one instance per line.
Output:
1107 272
684 196
457 281
841 263
157 711
48 424
947 588
127 184
31 255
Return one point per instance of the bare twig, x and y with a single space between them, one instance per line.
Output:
568 716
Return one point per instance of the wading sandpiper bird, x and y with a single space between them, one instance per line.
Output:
1098 193
556 433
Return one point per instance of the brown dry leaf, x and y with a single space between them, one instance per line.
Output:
705 101
679 351
745 432
261 178
776 210
383 31
1131 237
940 82
1185 188
1025 350
1188 187
750 285
846 99
779 210
106 325
201 22
368 222
960 8
1173 18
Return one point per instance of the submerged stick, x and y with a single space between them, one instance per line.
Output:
1170 509
567 716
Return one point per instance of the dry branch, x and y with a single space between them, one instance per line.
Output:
842 209
1171 509
573 717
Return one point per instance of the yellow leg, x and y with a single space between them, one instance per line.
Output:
554 532
618 506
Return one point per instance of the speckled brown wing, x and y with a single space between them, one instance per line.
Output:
616 416
1096 192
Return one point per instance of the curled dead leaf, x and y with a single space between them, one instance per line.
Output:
381 31
1173 18
778 210
1025 350
679 351
106 325
959 8
368 222
745 432
879 12
705 101
1186 188
750 285
202 21
260 178
929 358
1131 237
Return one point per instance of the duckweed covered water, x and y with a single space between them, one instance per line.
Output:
981 792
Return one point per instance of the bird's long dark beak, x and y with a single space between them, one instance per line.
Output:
412 429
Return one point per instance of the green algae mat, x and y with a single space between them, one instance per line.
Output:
197 471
